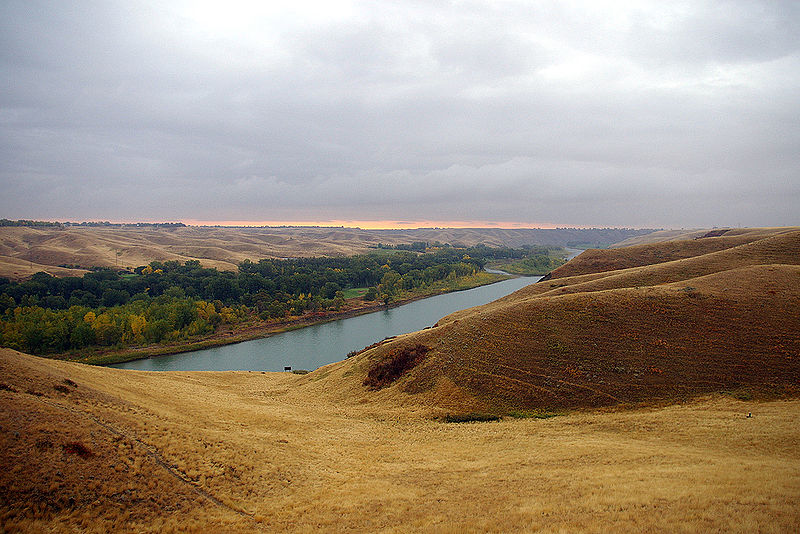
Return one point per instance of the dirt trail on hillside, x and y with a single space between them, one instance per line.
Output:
294 458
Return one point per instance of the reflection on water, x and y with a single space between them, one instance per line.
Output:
313 346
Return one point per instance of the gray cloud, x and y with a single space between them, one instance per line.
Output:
585 113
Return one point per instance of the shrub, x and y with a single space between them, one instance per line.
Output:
371 294
398 362
76 447
471 417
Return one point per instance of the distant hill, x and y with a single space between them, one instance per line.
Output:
659 236
704 242
70 250
675 319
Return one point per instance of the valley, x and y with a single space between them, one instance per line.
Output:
652 387
71 250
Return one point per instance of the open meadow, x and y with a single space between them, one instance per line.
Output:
648 388
94 449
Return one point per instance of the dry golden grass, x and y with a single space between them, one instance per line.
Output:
781 249
656 251
277 452
25 251
683 235
653 369
719 321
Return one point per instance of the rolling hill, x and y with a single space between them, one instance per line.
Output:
725 318
92 449
25 250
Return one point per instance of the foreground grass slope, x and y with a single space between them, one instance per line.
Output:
722 320
95 449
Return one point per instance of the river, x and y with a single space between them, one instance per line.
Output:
317 345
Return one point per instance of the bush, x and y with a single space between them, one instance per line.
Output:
371 294
76 447
471 417
398 362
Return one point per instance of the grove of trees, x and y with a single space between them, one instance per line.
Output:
171 301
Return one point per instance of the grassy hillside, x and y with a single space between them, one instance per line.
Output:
95 449
594 261
724 320
661 236
25 250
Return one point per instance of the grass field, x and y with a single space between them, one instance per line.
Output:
356 292
199 452
657 397
536 266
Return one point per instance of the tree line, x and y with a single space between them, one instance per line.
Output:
92 224
171 301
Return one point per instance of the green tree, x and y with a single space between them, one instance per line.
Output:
389 282
330 289
371 294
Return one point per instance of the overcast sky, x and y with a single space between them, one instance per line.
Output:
665 114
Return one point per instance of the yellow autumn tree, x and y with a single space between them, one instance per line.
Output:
204 309
228 315
138 324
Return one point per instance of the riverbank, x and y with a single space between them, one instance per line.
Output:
260 329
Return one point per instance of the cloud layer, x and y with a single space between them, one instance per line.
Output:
575 113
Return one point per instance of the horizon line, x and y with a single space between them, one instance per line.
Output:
374 224
384 224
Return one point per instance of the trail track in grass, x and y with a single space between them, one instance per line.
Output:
281 452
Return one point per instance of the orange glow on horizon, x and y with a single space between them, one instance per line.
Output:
383 224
